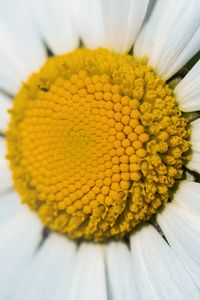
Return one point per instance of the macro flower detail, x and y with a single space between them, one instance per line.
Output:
99 149
96 142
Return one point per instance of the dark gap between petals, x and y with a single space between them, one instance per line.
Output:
2 135
126 240
190 64
81 44
192 116
45 233
49 52
195 174
78 243
158 229
6 93
130 52
183 71
179 75
150 9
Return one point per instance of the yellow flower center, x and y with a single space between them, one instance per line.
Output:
96 142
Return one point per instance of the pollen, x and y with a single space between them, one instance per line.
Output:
96 143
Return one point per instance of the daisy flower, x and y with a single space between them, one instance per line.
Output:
99 149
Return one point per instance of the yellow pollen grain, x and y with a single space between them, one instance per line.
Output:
96 143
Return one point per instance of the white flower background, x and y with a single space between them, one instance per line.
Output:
162 259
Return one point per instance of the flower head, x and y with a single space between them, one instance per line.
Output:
103 145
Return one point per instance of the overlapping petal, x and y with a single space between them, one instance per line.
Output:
180 223
171 36
101 22
50 271
56 24
156 268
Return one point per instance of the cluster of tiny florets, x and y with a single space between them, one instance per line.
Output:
96 143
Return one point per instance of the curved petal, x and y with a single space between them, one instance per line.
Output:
56 24
115 24
49 273
188 90
89 278
5 174
194 162
171 36
181 225
5 104
19 239
21 50
158 272
121 279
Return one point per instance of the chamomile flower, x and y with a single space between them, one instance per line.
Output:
99 150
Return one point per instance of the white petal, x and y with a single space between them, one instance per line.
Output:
171 36
5 174
181 227
188 90
5 104
121 281
195 135
115 25
194 162
19 239
158 272
9 206
49 273
145 41
89 279
122 22
90 22
188 197
56 23
21 50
